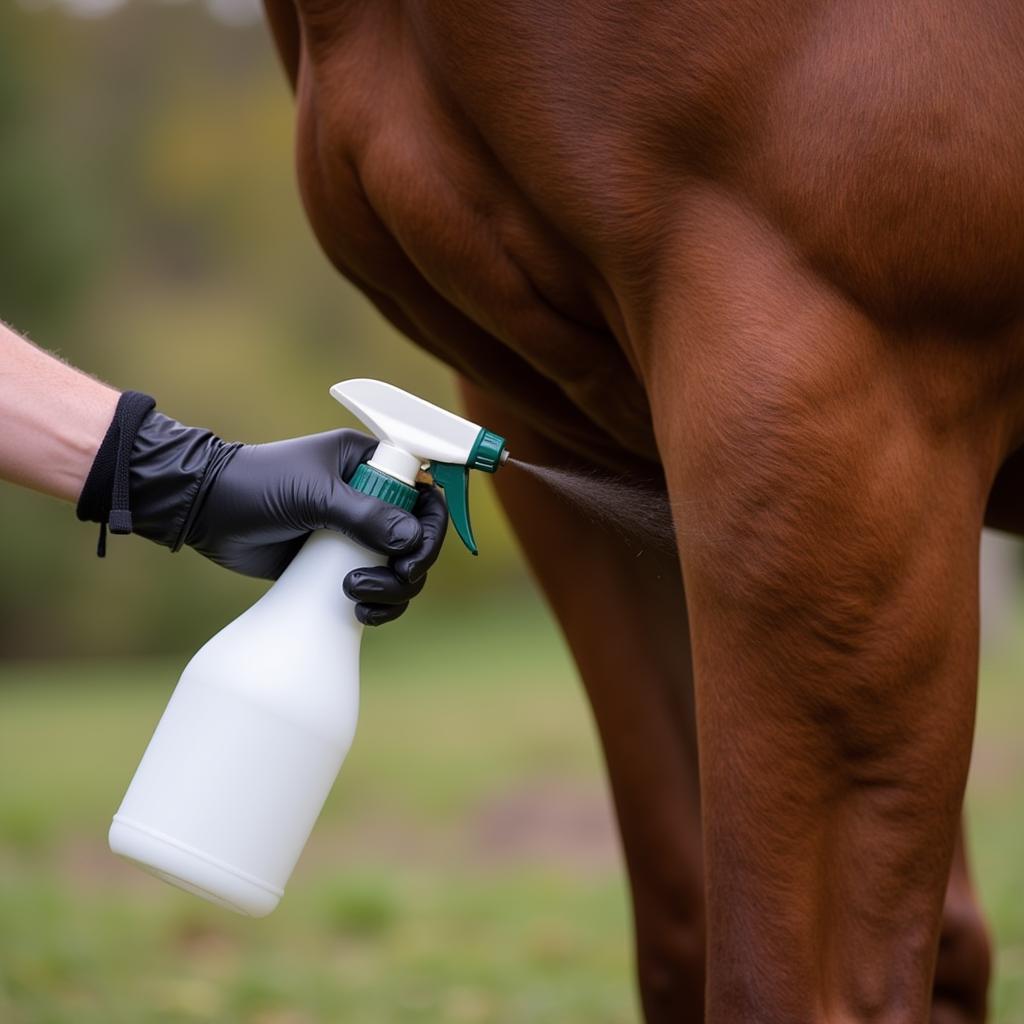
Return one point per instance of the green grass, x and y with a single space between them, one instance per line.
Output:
428 892
454 876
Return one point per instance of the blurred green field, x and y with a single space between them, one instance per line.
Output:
464 869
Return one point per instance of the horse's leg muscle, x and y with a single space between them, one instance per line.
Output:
833 608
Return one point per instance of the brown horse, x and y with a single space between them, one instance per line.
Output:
770 253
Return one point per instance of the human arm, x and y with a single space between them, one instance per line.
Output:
54 418
246 507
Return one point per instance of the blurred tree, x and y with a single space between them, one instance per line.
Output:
44 220
151 232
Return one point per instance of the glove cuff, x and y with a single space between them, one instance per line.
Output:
105 497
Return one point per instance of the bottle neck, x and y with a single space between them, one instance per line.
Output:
395 463
314 576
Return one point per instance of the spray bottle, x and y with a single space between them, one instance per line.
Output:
259 724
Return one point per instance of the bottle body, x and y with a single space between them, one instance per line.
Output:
252 739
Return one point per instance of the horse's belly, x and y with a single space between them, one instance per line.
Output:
893 153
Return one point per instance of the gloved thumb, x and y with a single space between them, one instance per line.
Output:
372 522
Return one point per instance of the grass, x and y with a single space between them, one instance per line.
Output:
463 870
429 892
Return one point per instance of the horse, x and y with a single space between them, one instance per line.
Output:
766 255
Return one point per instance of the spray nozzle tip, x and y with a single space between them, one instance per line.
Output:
488 451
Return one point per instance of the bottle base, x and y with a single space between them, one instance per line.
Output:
192 870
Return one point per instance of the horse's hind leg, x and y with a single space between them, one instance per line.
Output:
960 993
620 604
964 964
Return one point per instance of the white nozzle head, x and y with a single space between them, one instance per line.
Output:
413 433
405 422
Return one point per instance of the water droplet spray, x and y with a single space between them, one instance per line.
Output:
634 508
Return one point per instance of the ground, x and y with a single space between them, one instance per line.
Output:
465 870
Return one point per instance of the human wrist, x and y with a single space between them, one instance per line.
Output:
78 441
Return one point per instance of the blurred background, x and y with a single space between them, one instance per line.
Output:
466 869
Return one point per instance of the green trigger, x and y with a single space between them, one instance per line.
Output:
455 481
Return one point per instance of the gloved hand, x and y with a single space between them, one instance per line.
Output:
250 507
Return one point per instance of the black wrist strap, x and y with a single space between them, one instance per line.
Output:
106 495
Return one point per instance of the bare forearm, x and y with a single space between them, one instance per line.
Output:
53 419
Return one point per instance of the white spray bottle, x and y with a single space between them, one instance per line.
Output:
256 730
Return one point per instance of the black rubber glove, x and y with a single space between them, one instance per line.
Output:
250 507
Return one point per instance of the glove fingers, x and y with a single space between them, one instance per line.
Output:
432 513
371 522
378 614
380 585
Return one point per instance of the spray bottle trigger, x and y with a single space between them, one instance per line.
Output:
455 481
